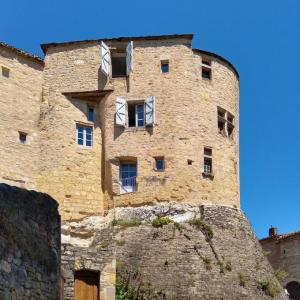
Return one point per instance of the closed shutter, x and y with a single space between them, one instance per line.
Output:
121 111
105 59
150 110
129 58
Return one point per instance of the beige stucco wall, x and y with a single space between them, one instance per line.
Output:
20 98
85 181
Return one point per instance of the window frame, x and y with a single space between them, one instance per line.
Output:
156 159
206 68
164 63
84 135
90 107
227 119
23 137
136 104
208 157
118 53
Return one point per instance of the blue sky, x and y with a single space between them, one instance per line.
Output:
261 38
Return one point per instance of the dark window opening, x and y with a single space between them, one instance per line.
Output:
91 114
5 72
207 167
206 62
225 122
190 162
23 137
221 125
165 67
159 164
206 73
118 63
136 115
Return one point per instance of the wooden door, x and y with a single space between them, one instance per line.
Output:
86 285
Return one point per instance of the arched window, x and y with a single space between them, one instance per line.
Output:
293 289
86 285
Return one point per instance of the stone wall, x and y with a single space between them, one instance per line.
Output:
29 245
283 252
20 100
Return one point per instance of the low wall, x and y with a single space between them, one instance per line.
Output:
29 245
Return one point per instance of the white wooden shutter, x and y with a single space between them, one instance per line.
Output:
121 111
105 59
150 110
129 58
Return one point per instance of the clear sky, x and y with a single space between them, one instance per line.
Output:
260 37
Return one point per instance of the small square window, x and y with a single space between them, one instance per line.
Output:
91 116
159 164
84 135
206 73
5 71
23 137
165 66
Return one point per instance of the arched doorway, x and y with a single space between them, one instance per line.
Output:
293 289
86 285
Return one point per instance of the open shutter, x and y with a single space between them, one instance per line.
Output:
129 58
150 110
105 60
121 112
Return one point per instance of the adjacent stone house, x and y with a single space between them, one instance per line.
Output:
283 252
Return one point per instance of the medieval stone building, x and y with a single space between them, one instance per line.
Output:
134 129
283 252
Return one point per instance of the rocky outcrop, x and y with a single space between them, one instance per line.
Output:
177 251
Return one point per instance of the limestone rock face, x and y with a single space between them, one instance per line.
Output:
214 256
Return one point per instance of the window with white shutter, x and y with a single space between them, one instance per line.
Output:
149 110
121 112
105 59
135 113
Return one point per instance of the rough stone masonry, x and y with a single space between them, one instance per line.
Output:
29 245
124 132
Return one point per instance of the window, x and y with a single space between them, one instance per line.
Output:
23 137
5 71
90 114
207 170
118 63
225 122
84 135
164 66
206 69
128 173
159 164
135 113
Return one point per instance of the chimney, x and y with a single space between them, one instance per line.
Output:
273 231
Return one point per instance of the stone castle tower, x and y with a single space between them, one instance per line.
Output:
125 131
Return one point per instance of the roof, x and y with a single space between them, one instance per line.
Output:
121 39
220 58
279 237
22 52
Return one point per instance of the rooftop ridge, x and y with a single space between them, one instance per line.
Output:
22 52
120 39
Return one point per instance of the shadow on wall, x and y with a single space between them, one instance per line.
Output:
29 244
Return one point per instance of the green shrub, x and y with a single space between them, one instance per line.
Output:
243 279
270 286
124 292
280 274
161 221
200 224
126 223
